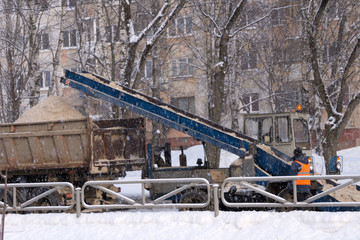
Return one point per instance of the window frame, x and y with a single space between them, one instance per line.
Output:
42 5
69 4
42 43
90 37
185 28
252 98
148 73
67 35
114 33
248 60
45 79
190 102
187 64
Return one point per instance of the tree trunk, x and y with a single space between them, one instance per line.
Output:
34 77
54 88
330 145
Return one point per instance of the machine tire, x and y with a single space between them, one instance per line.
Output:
194 196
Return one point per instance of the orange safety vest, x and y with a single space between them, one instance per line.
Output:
305 171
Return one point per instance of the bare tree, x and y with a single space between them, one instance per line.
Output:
31 19
166 13
19 72
219 21
56 52
333 75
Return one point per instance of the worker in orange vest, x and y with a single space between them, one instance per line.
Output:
300 167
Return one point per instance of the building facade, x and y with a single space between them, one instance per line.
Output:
268 68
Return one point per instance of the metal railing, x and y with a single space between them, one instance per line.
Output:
126 202
34 196
278 201
178 186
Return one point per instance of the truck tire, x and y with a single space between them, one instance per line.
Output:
10 198
194 196
49 200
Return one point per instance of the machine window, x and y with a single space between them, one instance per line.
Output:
283 130
301 131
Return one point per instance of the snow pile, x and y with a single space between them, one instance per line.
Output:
166 225
346 194
53 108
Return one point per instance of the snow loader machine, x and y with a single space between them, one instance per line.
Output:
263 149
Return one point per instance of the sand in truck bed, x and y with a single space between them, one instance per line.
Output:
53 108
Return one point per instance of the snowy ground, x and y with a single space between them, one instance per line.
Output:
172 224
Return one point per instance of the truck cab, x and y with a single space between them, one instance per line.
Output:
283 131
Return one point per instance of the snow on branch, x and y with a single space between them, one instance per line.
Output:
165 23
261 19
217 28
136 39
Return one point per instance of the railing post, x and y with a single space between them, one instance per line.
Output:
143 193
216 199
294 191
78 202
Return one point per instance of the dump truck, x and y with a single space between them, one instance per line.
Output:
74 150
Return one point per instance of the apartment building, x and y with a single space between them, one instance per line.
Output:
268 69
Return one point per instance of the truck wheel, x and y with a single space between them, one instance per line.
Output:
194 196
49 200
10 198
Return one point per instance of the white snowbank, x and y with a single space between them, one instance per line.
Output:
185 225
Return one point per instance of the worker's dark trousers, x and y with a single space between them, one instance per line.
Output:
302 196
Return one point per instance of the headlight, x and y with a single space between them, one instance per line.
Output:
311 164
338 164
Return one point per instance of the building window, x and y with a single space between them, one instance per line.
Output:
247 18
90 30
293 53
44 42
142 21
184 103
44 79
333 9
248 60
329 53
286 100
149 69
69 38
69 4
277 17
347 96
278 56
251 102
112 31
180 26
42 5
182 67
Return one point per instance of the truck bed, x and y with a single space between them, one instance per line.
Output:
70 144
